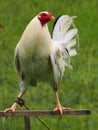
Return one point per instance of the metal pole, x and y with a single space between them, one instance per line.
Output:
27 122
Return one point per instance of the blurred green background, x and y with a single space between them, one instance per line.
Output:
79 88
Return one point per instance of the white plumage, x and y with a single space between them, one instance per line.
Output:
42 57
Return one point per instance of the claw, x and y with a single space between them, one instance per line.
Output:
60 109
8 110
11 109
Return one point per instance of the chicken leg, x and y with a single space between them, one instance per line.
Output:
14 106
59 107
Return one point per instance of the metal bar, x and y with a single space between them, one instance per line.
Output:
27 122
47 112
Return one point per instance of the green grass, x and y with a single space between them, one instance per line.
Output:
79 88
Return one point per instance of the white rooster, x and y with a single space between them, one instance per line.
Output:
42 57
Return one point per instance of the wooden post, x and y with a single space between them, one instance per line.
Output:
28 113
27 122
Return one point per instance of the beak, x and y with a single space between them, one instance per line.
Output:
52 17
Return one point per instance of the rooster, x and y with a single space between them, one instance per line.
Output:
40 56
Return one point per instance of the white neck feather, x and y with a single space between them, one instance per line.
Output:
36 39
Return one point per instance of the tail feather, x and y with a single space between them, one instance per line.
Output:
72 52
70 34
62 34
61 27
66 25
71 44
65 37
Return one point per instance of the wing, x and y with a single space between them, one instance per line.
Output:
16 62
58 63
64 39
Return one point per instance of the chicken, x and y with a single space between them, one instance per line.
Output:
42 57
